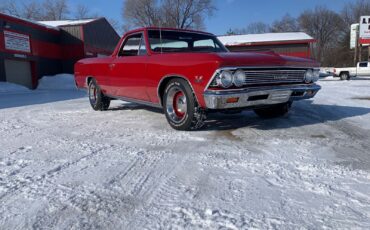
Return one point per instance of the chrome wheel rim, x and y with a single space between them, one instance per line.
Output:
92 94
176 105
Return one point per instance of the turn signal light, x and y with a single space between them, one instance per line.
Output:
232 100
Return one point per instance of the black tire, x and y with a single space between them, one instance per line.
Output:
98 101
344 76
274 110
180 106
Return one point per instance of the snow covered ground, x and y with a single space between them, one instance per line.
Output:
63 165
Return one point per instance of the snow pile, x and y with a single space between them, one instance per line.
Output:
66 22
59 81
6 87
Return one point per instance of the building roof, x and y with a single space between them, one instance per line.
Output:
267 38
29 21
67 22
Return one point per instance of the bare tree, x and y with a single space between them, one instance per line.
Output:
286 24
186 13
115 24
10 7
82 11
252 28
354 10
29 10
231 32
326 27
171 13
351 14
257 28
55 9
141 13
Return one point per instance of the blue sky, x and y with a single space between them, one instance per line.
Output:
239 13
230 13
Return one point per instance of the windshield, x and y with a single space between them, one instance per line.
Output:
180 42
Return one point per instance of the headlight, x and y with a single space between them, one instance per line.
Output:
239 78
225 79
316 75
308 76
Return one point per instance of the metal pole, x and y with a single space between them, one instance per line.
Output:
356 49
360 54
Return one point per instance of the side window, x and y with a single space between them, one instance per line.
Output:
363 64
142 49
131 46
205 45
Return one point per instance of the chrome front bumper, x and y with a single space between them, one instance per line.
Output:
252 97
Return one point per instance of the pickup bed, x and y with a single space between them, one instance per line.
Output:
361 70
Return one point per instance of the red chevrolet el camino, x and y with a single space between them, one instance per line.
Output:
190 73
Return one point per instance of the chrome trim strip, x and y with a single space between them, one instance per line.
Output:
137 101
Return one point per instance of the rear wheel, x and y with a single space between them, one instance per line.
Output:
274 110
180 106
98 100
344 76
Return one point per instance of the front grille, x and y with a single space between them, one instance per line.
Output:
274 76
264 77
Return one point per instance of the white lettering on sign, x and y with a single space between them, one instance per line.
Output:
20 55
17 42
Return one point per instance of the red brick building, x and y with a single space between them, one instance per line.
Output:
30 50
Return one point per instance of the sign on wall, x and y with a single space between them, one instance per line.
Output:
354 31
364 30
17 42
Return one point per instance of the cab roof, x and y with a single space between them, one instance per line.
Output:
167 28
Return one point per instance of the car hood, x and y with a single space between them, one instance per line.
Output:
257 59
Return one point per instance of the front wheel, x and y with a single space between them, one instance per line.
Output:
274 110
98 100
344 76
180 106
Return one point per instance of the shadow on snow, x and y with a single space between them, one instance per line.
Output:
302 113
18 99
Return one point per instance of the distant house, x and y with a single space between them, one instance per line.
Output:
295 44
30 49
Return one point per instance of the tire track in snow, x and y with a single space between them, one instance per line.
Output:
49 174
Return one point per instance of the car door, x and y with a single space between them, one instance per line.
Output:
363 69
128 70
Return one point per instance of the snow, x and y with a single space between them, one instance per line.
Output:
57 82
66 22
6 87
50 89
232 40
63 165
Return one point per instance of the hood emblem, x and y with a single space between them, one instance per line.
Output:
281 77
198 79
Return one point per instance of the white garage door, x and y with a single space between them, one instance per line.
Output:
18 72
